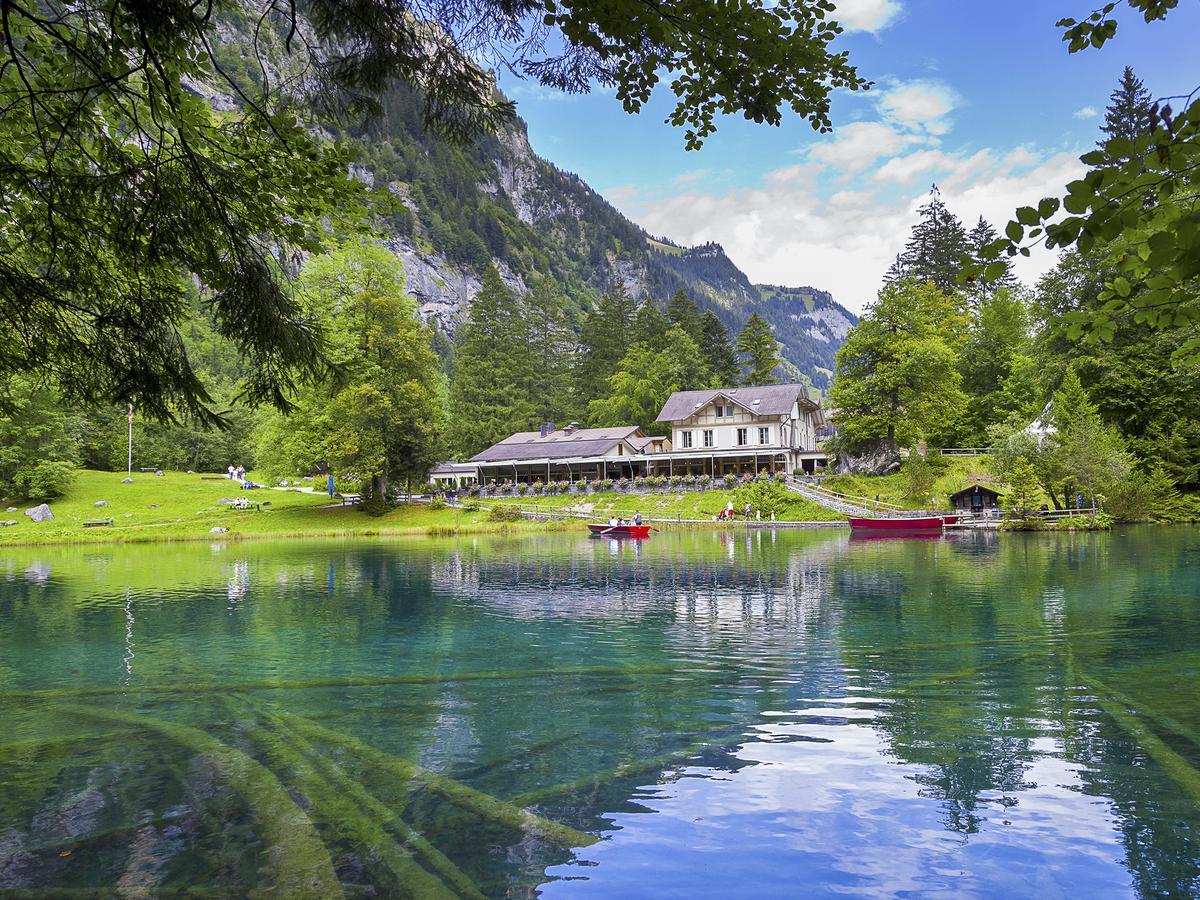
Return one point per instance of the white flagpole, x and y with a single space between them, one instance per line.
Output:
129 474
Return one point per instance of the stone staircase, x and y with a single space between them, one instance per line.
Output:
851 506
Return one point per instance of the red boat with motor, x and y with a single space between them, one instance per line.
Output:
619 531
903 523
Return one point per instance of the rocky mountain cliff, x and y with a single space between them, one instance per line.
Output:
498 202
449 211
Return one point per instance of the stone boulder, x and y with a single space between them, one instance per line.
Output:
217 529
40 513
100 503
126 481
878 458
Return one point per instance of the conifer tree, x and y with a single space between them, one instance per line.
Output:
650 326
683 311
759 351
718 351
1128 113
551 344
937 249
646 377
488 397
604 338
977 238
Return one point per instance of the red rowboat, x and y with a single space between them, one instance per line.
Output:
903 523
620 531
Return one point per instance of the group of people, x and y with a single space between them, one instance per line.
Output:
237 473
728 514
618 522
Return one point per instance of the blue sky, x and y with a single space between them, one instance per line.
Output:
980 97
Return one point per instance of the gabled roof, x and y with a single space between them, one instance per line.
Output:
975 489
762 400
558 444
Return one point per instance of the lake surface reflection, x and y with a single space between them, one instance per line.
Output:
729 714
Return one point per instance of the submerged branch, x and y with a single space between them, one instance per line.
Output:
300 863
483 805
353 681
347 817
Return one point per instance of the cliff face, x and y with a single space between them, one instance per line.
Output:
450 211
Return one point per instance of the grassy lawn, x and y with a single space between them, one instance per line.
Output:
956 472
685 505
178 506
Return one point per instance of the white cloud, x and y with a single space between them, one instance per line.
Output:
859 144
788 232
867 15
1086 112
690 177
919 106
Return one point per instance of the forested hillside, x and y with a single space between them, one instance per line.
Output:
459 209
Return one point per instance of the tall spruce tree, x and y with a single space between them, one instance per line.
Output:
650 326
604 338
1127 115
683 311
977 238
488 397
937 250
718 351
551 344
759 351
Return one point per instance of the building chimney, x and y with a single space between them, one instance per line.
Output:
547 427
572 428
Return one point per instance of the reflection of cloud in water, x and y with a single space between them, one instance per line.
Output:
820 816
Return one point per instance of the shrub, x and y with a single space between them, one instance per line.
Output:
470 506
703 480
376 505
731 480
765 496
563 486
437 504
688 479
504 514
522 489
581 484
538 487
605 484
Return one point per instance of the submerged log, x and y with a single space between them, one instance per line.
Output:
343 810
314 683
605 777
482 805
300 863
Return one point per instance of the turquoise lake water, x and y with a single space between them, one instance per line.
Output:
704 714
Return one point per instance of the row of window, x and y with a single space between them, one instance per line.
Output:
743 438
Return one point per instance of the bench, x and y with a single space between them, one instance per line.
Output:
215 478
350 499
149 468
97 523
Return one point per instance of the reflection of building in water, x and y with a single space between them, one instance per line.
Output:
751 576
